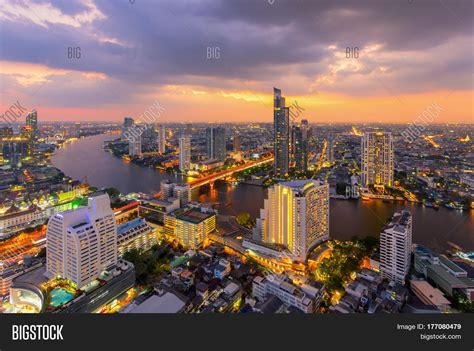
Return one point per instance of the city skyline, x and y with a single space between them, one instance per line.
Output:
360 72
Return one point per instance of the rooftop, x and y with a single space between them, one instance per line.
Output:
194 216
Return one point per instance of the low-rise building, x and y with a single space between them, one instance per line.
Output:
135 235
305 297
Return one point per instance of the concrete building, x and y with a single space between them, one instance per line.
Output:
190 226
215 143
281 128
429 295
184 153
395 247
82 243
377 156
305 297
135 145
161 139
295 215
135 235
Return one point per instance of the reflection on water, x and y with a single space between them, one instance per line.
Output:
433 228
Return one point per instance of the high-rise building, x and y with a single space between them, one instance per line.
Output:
32 121
161 139
27 133
184 153
128 122
305 129
6 132
296 215
330 149
215 143
237 143
300 153
377 158
82 243
135 145
395 247
281 128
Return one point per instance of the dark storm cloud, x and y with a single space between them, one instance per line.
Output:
165 42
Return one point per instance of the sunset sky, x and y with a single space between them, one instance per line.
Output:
412 53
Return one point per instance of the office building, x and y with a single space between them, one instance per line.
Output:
377 158
330 149
281 128
32 121
215 143
190 226
161 139
395 247
82 242
295 215
184 153
299 146
237 143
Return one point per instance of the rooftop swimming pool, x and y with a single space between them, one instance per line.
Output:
60 296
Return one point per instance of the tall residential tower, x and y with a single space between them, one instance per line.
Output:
395 247
377 158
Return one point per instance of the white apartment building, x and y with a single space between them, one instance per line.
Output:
296 215
305 297
135 235
184 153
377 158
395 247
135 145
82 243
161 139
173 190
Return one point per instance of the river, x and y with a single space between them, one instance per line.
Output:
86 158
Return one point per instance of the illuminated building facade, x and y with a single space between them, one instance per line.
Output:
135 145
215 143
161 139
184 153
281 128
295 215
395 247
377 158
82 243
32 121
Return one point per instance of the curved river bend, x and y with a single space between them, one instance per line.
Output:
86 158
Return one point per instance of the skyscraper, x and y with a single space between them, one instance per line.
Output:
281 127
184 153
32 121
135 145
82 242
377 158
395 247
300 153
237 143
296 215
128 122
215 143
161 139
330 149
